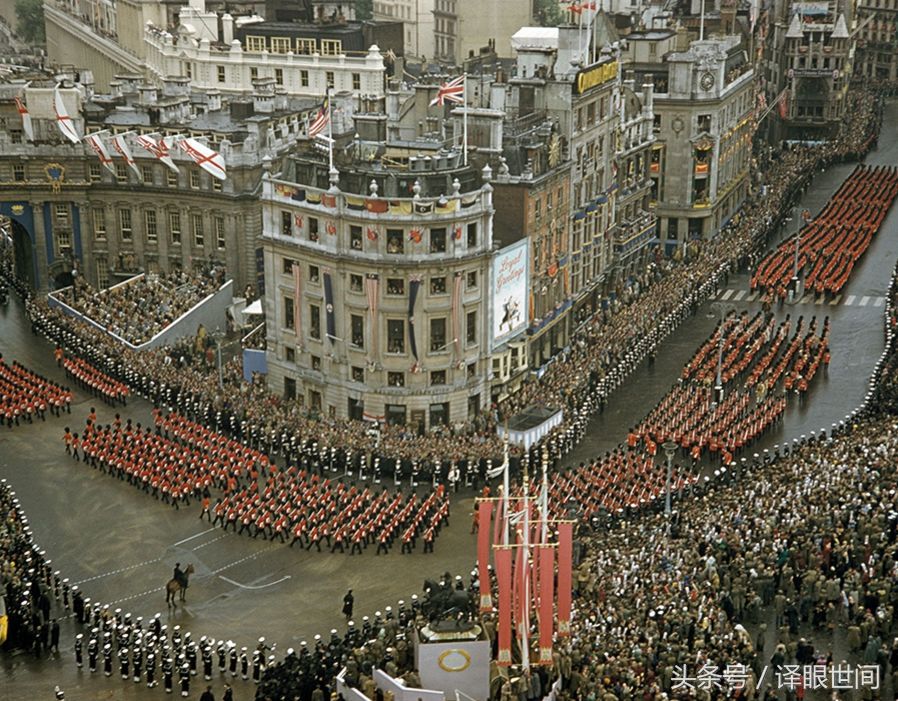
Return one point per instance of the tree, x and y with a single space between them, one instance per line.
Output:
30 24
548 13
364 9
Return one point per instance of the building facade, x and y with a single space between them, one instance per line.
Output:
417 17
376 290
463 27
876 57
72 214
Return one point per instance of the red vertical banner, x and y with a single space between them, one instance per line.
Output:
484 513
502 558
546 600
565 559
498 525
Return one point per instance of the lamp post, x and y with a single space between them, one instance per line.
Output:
719 308
217 335
670 449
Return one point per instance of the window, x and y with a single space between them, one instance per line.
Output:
120 173
63 240
315 399
279 76
18 172
473 406
287 266
438 240
102 273
395 286
437 285
305 46
395 241
219 232
195 179
253 73
304 78
146 173
222 76
99 217
313 229
472 235
438 335
289 388
471 280
471 328
290 355
62 214
315 322
171 178
472 370
255 44
314 274
286 224
288 313
316 362
396 379
331 47
174 227
395 414
329 77
438 377
280 45
355 237
439 414
217 185
355 283
196 228
358 374
94 170
124 221
357 330
149 220
356 81
395 336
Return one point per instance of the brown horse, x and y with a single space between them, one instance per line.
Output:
174 586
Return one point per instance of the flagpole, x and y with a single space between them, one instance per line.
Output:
505 488
465 120
525 576
701 31
330 132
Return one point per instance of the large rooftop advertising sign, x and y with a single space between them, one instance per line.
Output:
508 295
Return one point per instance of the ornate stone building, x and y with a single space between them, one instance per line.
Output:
377 280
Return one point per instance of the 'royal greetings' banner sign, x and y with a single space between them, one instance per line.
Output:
508 299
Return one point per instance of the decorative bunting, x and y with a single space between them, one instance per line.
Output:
160 149
546 558
95 141
207 159
26 119
484 512
565 559
63 121
502 558
121 147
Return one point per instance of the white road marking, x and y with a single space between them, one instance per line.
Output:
739 295
119 571
819 300
864 301
753 296
260 586
194 536
807 299
727 294
879 301
214 540
836 300
849 300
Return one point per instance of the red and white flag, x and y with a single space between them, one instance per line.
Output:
95 141
783 101
63 120
453 91
322 119
26 119
207 159
121 148
160 149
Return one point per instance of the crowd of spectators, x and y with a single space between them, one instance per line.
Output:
138 309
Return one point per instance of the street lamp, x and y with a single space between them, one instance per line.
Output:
794 290
719 308
670 449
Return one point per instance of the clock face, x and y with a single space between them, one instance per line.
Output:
706 81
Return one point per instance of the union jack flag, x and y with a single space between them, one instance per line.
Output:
319 124
453 91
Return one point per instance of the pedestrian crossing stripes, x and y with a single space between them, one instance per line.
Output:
746 296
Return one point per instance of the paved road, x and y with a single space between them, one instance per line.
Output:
122 546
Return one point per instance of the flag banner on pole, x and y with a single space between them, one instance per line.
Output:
546 602
453 91
500 516
319 124
565 559
371 292
207 159
502 557
121 148
413 286
330 322
95 141
784 103
297 302
63 121
26 119
484 513
160 149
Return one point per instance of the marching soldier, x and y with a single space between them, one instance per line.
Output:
207 662
93 648
124 663
107 660
167 676
151 669
79 656
244 664
185 677
137 661
222 657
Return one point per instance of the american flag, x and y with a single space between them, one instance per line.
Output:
319 124
453 91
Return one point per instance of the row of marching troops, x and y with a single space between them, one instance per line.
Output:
91 380
26 395
181 460
831 244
